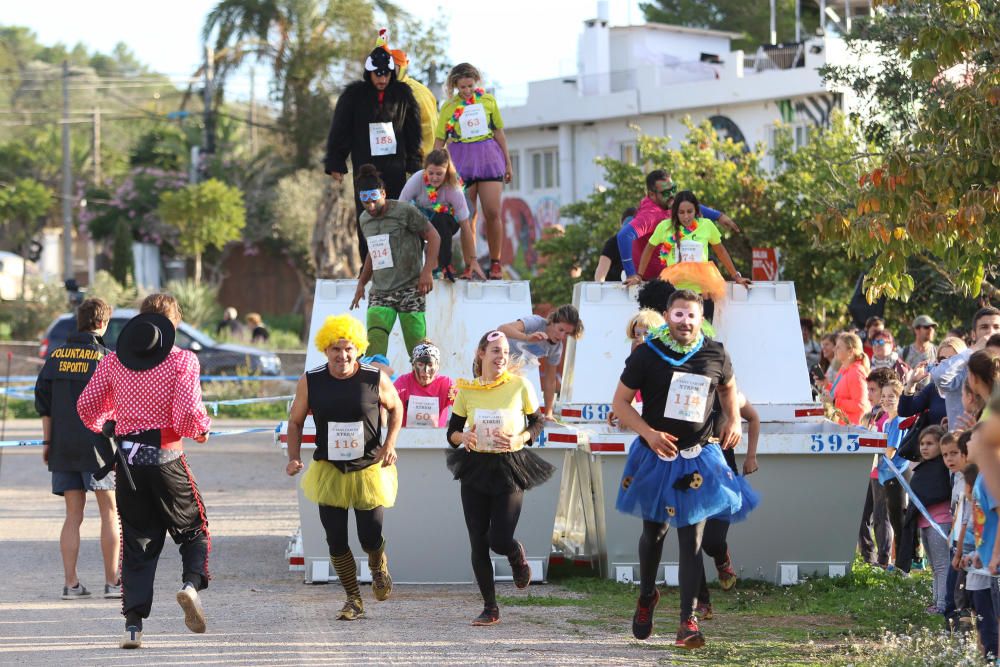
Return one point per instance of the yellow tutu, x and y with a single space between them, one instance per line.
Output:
701 277
364 489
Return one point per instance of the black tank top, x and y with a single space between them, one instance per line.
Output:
355 399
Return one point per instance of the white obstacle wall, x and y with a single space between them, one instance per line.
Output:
458 314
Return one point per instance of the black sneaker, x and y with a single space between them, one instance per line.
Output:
642 620
519 567
490 616
76 592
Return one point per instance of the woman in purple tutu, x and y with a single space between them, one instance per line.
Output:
470 124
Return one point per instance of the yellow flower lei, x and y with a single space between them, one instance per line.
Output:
477 384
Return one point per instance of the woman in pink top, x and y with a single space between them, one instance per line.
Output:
849 391
426 395
439 194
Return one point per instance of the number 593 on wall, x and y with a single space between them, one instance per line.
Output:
834 442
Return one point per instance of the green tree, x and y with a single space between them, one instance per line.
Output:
209 214
772 206
931 196
751 19
23 206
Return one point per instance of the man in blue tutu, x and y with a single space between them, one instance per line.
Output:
675 472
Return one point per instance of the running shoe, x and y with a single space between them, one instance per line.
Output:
496 270
490 616
75 592
381 580
688 635
642 620
704 611
727 576
519 567
352 610
194 615
132 638
449 273
113 591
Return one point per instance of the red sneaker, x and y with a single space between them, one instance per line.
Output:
727 576
496 270
642 620
688 635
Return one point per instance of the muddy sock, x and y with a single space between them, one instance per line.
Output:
347 571
375 556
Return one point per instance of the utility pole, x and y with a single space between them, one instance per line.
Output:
98 177
209 142
67 177
798 20
96 146
774 23
253 115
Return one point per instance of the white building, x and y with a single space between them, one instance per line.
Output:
651 76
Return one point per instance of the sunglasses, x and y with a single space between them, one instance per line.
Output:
881 341
669 191
370 195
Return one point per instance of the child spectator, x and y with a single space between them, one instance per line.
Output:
931 484
977 582
426 396
987 553
877 552
955 457
893 500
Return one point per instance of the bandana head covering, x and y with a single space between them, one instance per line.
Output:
424 350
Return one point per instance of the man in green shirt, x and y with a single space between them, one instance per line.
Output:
398 264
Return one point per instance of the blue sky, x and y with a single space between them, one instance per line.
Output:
527 39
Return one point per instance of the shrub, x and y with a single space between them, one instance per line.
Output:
199 302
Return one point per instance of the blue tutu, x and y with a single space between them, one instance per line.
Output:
694 486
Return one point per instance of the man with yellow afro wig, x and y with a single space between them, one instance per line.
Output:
351 466
341 327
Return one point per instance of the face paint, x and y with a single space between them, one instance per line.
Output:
680 314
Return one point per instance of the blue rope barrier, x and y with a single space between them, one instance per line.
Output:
913 499
214 405
214 434
204 378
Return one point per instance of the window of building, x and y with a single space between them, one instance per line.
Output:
800 137
515 167
629 152
545 169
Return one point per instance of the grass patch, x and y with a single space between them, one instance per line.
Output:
869 617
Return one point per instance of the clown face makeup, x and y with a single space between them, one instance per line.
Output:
684 319
425 369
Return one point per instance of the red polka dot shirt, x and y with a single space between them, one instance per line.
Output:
165 397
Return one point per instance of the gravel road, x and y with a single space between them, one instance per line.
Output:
258 612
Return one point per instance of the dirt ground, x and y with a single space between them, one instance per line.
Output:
258 612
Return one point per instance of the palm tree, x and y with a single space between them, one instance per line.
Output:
313 47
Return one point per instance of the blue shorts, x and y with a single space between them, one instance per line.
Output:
80 481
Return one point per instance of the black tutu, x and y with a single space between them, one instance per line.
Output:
499 473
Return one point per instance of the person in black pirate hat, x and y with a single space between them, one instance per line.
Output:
376 121
148 394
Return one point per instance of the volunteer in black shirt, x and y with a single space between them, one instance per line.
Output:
351 467
609 266
675 472
74 453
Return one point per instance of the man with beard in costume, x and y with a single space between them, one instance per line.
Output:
376 121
